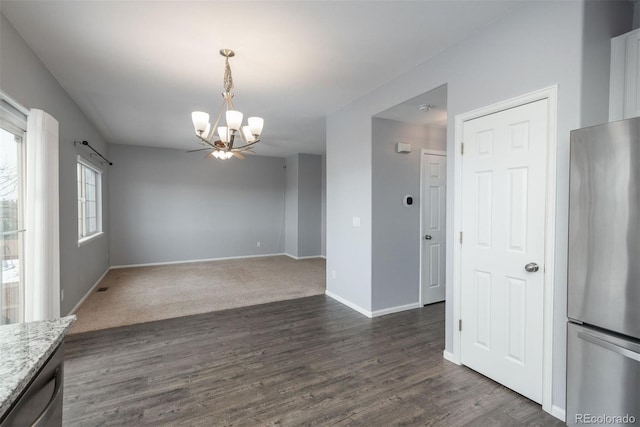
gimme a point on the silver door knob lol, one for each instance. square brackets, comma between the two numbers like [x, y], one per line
[427, 237]
[532, 267]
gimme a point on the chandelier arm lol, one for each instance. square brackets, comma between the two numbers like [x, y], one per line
[206, 141]
[247, 145]
[215, 125]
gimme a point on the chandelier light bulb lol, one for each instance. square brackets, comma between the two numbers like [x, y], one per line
[234, 119]
[255, 124]
[200, 121]
[223, 133]
[247, 134]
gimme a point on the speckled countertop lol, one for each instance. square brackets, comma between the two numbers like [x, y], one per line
[24, 348]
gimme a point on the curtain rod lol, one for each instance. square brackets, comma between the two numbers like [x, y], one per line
[94, 150]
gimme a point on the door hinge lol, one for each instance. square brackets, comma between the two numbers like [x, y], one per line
[461, 237]
[460, 324]
[461, 148]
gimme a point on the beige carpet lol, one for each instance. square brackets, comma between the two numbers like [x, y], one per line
[144, 294]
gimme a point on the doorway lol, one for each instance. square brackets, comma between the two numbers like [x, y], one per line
[399, 135]
[433, 226]
[504, 214]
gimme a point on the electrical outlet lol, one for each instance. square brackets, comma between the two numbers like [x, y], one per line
[356, 221]
[333, 274]
[61, 294]
[258, 244]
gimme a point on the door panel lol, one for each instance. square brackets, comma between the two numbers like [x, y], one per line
[434, 169]
[503, 211]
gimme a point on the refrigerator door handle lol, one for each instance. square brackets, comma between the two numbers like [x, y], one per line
[610, 346]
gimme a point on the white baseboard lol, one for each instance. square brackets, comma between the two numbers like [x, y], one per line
[396, 309]
[558, 412]
[151, 264]
[368, 313]
[349, 304]
[303, 257]
[89, 292]
[450, 357]
[322, 256]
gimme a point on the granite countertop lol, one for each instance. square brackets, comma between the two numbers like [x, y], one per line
[24, 349]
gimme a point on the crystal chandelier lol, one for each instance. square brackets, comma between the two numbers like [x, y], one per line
[227, 136]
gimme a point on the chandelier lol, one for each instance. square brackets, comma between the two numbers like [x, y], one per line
[226, 145]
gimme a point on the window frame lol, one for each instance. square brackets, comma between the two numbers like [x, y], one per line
[13, 119]
[82, 240]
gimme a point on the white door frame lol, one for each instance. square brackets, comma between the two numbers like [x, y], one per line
[422, 154]
[550, 94]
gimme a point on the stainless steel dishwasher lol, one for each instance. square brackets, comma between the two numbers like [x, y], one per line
[40, 404]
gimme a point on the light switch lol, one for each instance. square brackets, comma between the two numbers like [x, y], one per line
[356, 221]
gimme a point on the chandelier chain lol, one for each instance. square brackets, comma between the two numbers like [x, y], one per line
[228, 78]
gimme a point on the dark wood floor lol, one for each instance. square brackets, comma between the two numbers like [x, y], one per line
[309, 361]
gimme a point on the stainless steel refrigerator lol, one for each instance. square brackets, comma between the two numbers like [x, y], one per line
[603, 354]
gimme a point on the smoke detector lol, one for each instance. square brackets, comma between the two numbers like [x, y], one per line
[425, 107]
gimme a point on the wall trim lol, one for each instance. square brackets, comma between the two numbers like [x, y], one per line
[89, 292]
[349, 304]
[396, 309]
[558, 412]
[450, 357]
[376, 313]
[15, 104]
[151, 264]
[551, 95]
[304, 257]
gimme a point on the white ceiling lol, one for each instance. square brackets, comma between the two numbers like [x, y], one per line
[409, 111]
[138, 68]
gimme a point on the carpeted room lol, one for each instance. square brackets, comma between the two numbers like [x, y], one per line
[189, 234]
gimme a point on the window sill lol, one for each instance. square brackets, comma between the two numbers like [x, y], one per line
[88, 239]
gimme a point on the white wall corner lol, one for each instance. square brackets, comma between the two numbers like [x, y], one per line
[304, 257]
[349, 304]
[447, 355]
[89, 292]
[396, 309]
[558, 412]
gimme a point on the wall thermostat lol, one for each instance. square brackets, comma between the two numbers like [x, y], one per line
[407, 200]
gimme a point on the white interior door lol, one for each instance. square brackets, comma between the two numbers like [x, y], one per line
[434, 174]
[503, 211]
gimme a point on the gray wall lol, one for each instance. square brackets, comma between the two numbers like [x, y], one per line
[309, 205]
[291, 207]
[536, 46]
[168, 205]
[396, 228]
[303, 205]
[25, 78]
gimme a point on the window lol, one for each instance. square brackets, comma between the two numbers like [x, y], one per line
[12, 133]
[89, 201]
